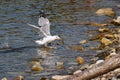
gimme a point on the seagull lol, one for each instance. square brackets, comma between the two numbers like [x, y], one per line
[44, 28]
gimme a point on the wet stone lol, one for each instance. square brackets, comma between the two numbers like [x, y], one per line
[106, 11]
[77, 47]
[4, 79]
[80, 60]
[58, 77]
[84, 66]
[106, 41]
[83, 41]
[37, 67]
[60, 65]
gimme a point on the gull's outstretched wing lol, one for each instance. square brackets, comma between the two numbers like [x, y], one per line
[38, 28]
[44, 25]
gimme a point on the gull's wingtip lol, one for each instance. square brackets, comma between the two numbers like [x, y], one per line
[29, 24]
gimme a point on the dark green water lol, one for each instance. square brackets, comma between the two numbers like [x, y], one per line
[63, 14]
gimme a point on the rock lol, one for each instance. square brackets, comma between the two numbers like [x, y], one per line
[99, 61]
[106, 11]
[113, 53]
[109, 35]
[97, 24]
[58, 77]
[117, 36]
[94, 59]
[83, 41]
[43, 79]
[92, 48]
[76, 72]
[118, 30]
[60, 65]
[103, 29]
[118, 6]
[101, 46]
[4, 78]
[84, 66]
[37, 67]
[106, 41]
[33, 62]
[80, 60]
[116, 21]
[97, 37]
[77, 47]
[18, 78]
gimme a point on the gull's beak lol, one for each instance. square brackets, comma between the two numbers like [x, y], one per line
[60, 39]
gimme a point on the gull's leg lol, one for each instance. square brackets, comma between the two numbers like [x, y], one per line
[53, 45]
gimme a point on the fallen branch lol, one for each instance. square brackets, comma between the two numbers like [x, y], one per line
[98, 70]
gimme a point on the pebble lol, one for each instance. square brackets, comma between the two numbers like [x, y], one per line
[99, 61]
[106, 11]
[76, 72]
[106, 41]
[59, 65]
[80, 60]
[58, 77]
[83, 41]
[37, 68]
[4, 78]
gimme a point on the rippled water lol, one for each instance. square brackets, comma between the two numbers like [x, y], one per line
[17, 45]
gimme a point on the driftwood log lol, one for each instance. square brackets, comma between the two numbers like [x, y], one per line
[98, 70]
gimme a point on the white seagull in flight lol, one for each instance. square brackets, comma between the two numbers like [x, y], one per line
[44, 27]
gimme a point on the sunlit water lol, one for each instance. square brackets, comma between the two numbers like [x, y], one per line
[17, 46]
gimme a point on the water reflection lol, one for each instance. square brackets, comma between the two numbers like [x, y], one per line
[47, 57]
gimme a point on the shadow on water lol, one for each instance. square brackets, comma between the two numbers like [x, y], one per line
[8, 50]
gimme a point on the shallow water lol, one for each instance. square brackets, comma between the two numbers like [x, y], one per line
[17, 45]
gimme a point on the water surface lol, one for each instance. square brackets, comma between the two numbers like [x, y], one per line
[17, 46]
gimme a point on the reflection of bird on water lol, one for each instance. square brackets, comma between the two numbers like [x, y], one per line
[44, 27]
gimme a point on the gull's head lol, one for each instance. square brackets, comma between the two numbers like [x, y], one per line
[42, 13]
[57, 37]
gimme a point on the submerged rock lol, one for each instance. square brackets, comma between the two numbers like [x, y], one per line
[83, 41]
[106, 41]
[97, 24]
[103, 29]
[37, 67]
[59, 65]
[77, 47]
[97, 37]
[106, 11]
[80, 60]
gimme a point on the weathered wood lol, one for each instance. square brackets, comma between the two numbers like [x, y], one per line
[98, 70]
